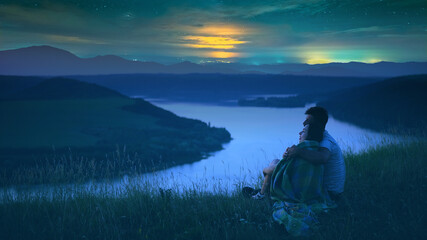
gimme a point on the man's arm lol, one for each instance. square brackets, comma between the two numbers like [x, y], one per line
[319, 156]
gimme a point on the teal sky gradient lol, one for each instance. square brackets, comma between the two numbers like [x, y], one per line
[250, 31]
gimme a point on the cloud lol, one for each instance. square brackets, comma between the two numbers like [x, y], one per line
[72, 39]
[372, 29]
[212, 42]
[254, 11]
[56, 15]
[252, 28]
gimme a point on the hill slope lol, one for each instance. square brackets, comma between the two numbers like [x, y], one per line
[50, 61]
[359, 69]
[396, 102]
[11, 85]
[64, 88]
[59, 116]
[219, 87]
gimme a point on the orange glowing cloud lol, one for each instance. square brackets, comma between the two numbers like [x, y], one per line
[221, 30]
[318, 61]
[223, 54]
[218, 37]
[212, 42]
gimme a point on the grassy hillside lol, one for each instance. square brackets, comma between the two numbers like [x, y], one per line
[397, 103]
[88, 122]
[385, 198]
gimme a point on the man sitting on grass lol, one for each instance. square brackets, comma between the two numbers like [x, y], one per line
[329, 153]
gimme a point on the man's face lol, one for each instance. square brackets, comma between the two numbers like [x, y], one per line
[308, 120]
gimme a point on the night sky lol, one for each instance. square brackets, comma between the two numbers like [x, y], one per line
[247, 31]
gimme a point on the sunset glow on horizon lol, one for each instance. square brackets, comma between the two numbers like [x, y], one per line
[222, 55]
[212, 42]
[251, 31]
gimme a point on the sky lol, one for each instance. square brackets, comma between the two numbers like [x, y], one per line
[203, 31]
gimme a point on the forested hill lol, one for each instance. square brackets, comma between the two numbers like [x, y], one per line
[63, 88]
[219, 87]
[11, 85]
[61, 116]
[397, 103]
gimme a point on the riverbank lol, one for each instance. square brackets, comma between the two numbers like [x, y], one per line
[384, 199]
[395, 105]
[62, 130]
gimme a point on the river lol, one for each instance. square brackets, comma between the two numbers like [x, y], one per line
[259, 135]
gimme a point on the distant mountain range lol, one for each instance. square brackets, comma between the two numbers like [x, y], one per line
[50, 61]
[224, 88]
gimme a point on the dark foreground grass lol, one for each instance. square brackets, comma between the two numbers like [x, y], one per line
[385, 198]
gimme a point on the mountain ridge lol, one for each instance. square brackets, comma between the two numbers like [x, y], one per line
[50, 61]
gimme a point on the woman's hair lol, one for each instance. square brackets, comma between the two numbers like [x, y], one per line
[315, 132]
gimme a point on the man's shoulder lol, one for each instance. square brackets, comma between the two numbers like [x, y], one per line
[328, 137]
[328, 142]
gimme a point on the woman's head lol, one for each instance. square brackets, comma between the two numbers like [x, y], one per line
[312, 132]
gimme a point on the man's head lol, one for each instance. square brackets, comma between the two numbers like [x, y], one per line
[316, 115]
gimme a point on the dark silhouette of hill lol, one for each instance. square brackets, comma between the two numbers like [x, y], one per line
[329, 71]
[36, 60]
[93, 120]
[64, 88]
[219, 87]
[189, 67]
[380, 69]
[10, 85]
[393, 103]
[50, 61]
[351, 69]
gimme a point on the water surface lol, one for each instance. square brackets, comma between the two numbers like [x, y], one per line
[259, 136]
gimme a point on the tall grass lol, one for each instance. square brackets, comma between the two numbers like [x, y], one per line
[385, 198]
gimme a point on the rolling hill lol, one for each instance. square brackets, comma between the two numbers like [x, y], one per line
[50, 61]
[64, 88]
[397, 103]
[60, 115]
[219, 87]
[11, 85]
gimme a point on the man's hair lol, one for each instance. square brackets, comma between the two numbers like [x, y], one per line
[315, 132]
[320, 115]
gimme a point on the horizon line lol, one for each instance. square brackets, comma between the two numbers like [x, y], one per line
[208, 61]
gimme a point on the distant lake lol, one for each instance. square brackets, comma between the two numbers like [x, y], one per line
[259, 136]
